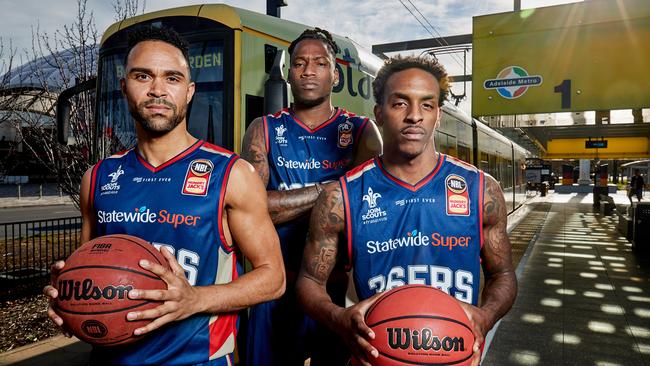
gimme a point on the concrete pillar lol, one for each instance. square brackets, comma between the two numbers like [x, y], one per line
[603, 117]
[638, 115]
[585, 166]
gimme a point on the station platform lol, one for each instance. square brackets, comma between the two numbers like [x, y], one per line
[584, 296]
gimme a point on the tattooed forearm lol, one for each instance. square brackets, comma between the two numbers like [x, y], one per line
[327, 222]
[326, 262]
[288, 205]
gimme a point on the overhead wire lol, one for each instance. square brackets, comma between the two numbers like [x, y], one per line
[440, 39]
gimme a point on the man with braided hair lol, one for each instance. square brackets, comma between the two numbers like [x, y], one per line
[298, 152]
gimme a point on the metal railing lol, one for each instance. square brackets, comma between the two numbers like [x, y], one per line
[28, 249]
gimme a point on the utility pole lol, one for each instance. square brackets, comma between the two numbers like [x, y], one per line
[517, 5]
[273, 7]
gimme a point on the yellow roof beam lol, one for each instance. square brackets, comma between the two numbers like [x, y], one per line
[617, 148]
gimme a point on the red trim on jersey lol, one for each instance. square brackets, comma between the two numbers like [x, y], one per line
[171, 161]
[359, 167]
[279, 113]
[322, 125]
[217, 148]
[93, 182]
[266, 134]
[235, 274]
[480, 205]
[418, 185]
[221, 329]
[361, 129]
[222, 195]
[348, 221]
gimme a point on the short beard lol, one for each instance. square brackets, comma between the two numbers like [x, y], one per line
[309, 103]
[150, 125]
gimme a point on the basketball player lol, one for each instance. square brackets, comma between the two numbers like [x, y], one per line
[297, 152]
[197, 201]
[410, 216]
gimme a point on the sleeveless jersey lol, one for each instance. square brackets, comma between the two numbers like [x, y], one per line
[301, 157]
[430, 233]
[179, 205]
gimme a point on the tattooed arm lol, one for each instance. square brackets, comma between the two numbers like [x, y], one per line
[326, 227]
[283, 205]
[500, 287]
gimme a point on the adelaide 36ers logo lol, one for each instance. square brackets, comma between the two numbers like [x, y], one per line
[345, 134]
[197, 179]
[457, 196]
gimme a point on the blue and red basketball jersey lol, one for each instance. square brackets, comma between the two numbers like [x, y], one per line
[179, 205]
[301, 157]
[429, 233]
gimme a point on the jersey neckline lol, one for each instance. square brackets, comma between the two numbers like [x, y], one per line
[179, 156]
[338, 112]
[403, 184]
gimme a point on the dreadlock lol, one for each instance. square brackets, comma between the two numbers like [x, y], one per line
[318, 34]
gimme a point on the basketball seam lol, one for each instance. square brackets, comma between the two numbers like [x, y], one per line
[111, 267]
[145, 302]
[145, 247]
[420, 316]
[387, 295]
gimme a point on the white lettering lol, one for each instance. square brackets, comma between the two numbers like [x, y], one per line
[187, 259]
[464, 289]
[392, 244]
[297, 164]
[442, 278]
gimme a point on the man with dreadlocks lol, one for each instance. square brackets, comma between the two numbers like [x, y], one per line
[297, 152]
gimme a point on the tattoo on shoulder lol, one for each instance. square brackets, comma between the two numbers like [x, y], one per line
[254, 149]
[493, 202]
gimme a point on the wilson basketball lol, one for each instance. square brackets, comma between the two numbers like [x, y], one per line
[420, 325]
[94, 284]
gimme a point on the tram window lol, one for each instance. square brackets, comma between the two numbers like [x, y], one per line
[206, 106]
[464, 153]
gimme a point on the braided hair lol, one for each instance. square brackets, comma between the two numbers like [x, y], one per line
[320, 35]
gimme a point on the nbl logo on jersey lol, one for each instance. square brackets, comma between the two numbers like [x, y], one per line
[457, 196]
[345, 134]
[197, 179]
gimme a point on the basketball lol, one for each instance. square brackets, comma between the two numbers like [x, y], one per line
[419, 325]
[94, 284]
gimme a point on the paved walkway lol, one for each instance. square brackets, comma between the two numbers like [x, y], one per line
[584, 296]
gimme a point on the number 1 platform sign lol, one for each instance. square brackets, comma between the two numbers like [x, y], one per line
[583, 56]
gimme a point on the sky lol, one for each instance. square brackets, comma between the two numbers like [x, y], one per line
[367, 22]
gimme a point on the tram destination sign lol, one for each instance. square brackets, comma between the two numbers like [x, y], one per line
[596, 144]
[583, 56]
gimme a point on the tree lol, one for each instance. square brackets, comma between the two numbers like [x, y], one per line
[7, 145]
[59, 61]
